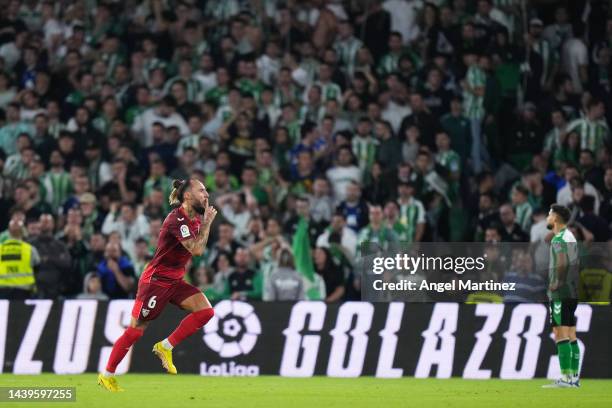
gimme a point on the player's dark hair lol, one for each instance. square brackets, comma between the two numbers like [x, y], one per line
[178, 191]
[562, 212]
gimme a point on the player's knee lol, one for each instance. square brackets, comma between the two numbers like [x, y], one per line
[133, 333]
[139, 324]
[204, 315]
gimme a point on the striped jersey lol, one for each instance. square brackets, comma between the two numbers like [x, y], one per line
[550, 57]
[593, 134]
[280, 98]
[388, 63]
[112, 60]
[382, 236]
[58, 186]
[473, 105]
[194, 88]
[347, 51]
[412, 213]
[523, 215]
[364, 149]
[329, 90]
[552, 140]
[192, 140]
[15, 167]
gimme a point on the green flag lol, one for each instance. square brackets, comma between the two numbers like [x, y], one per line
[303, 262]
[301, 251]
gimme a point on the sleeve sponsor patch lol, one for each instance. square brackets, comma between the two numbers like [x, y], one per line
[185, 231]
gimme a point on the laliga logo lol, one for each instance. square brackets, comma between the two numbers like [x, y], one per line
[233, 330]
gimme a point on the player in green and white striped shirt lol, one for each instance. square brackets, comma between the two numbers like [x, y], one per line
[17, 166]
[329, 89]
[219, 13]
[592, 128]
[552, 139]
[474, 89]
[364, 147]
[412, 212]
[377, 231]
[57, 181]
[522, 208]
[451, 161]
[347, 46]
[192, 85]
[391, 211]
[473, 106]
[563, 272]
[390, 61]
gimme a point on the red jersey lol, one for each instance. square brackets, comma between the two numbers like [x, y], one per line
[170, 257]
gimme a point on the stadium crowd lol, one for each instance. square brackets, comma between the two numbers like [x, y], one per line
[349, 121]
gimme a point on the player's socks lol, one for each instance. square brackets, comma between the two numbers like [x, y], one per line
[564, 352]
[166, 344]
[575, 363]
[190, 324]
[121, 347]
[107, 374]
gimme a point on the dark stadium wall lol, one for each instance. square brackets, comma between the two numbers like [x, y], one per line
[308, 338]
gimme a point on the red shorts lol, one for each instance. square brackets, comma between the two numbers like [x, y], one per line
[154, 295]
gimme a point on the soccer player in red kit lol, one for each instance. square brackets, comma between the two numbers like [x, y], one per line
[183, 234]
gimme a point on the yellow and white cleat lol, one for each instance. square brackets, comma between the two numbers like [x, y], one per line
[109, 383]
[165, 356]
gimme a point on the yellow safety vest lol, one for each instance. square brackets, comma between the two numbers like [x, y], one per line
[15, 264]
[595, 286]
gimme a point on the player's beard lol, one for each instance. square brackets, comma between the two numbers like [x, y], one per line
[199, 208]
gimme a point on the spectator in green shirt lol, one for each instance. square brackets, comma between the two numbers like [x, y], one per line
[458, 128]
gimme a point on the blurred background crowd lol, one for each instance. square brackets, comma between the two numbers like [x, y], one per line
[315, 125]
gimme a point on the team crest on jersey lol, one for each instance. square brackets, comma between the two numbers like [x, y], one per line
[145, 312]
[185, 231]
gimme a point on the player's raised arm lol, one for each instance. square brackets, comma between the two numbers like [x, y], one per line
[197, 245]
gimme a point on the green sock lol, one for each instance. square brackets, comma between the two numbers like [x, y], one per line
[575, 357]
[564, 351]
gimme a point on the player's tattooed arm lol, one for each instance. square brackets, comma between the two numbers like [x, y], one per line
[197, 245]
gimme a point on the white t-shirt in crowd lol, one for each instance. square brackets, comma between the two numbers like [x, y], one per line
[340, 177]
[403, 17]
[574, 55]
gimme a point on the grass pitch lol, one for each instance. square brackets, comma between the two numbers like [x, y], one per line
[158, 390]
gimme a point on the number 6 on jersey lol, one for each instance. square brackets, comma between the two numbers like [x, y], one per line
[152, 302]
